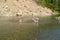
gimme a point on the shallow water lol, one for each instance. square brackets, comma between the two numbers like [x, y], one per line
[46, 29]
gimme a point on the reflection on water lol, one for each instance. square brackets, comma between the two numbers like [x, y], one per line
[47, 29]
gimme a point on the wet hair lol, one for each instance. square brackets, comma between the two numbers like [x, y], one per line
[17, 14]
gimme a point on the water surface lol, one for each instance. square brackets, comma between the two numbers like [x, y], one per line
[11, 29]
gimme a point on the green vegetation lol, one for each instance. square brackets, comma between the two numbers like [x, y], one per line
[52, 4]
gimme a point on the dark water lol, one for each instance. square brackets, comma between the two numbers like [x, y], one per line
[46, 29]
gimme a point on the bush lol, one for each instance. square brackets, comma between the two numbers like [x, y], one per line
[53, 4]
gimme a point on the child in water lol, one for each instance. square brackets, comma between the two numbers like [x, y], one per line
[36, 19]
[19, 17]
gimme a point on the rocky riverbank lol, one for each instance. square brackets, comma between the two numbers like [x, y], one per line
[26, 7]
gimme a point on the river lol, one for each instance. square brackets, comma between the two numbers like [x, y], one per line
[46, 29]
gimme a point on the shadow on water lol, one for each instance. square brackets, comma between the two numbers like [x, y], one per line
[47, 29]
